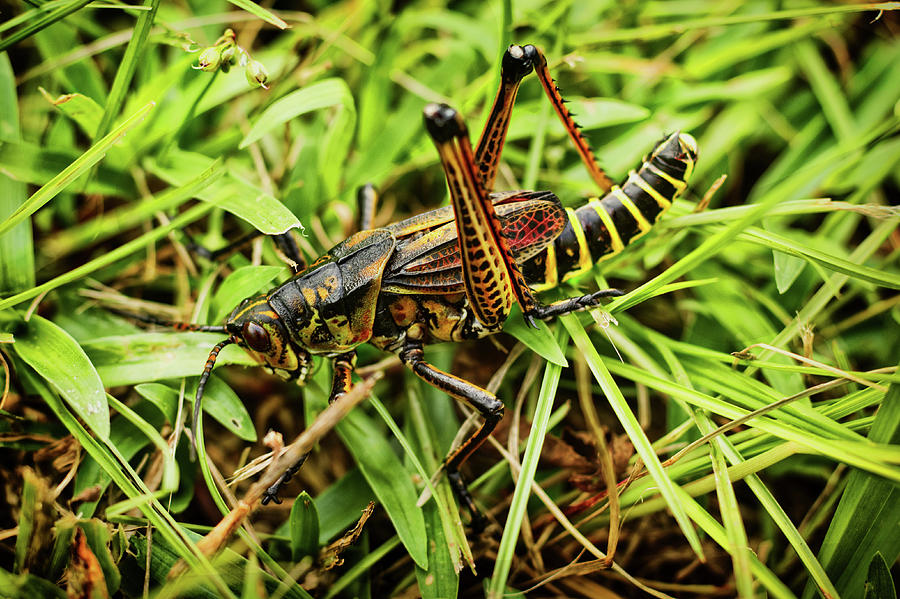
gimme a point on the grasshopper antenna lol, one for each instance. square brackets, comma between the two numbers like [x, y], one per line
[207, 370]
[170, 324]
[210, 361]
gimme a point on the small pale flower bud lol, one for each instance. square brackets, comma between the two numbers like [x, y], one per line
[256, 74]
[209, 59]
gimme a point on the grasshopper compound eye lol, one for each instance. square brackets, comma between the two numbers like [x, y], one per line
[256, 336]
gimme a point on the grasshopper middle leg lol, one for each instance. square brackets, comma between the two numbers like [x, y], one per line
[485, 402]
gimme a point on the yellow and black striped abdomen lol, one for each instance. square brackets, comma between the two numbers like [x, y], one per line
[603, 227]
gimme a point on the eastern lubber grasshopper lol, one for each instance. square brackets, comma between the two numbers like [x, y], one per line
[453, 274]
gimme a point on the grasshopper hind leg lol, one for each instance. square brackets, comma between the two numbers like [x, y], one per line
[518, 62]
[572, 304]
[366, 205]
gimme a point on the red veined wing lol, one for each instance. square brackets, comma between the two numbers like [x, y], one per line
[427, 258]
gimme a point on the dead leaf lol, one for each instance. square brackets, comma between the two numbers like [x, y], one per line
[85, 579]
[330, 555]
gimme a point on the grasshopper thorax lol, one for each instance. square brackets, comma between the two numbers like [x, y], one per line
[258, 329]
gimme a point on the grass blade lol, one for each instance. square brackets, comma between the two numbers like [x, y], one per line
[780, 243]
[60, 360]
[189, 216]
[389, 480]
[239, 197]
[125, 72]
[862, 523]
[91, 157]
[330, 92]
[16, 246]
[510, 538]
[41, 22]
[260, 12]
[632, 428]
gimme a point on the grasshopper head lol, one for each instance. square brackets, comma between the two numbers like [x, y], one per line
[254, 326]
[257, 328]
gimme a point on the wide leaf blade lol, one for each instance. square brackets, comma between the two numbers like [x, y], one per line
[60, 360]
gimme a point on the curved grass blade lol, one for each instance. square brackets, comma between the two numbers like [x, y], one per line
[259, 11]
[336, 141]
[389, 480]
[216, 494]
[82, 109]
[725, 446]
[859, 271]
[539, 339]
[736, 535]
[162, 396]
[60, 360]
[84, 162]
[831, 287]
[330, 92]
[223, 404]
[239, 197]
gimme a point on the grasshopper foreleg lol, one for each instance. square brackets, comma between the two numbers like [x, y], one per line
[341, 382]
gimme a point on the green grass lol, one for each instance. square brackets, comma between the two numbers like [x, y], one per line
[111, 145]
